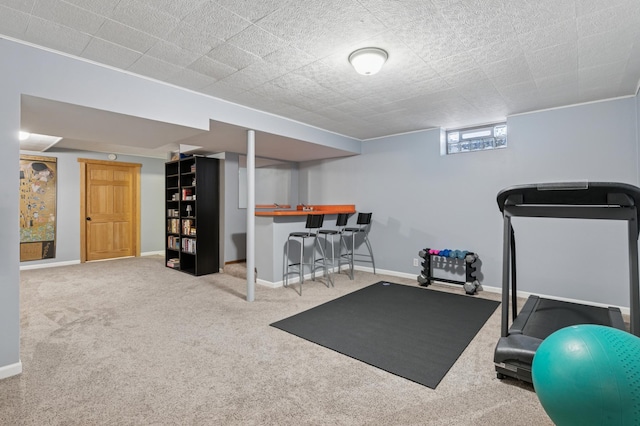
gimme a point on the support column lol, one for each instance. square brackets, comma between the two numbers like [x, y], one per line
[251, 214]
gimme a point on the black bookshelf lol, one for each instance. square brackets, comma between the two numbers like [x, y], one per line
[192, 204]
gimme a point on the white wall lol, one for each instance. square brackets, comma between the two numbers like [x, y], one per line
[422, 199]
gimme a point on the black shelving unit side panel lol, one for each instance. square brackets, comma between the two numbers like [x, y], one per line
[172, 184]
[207, 212]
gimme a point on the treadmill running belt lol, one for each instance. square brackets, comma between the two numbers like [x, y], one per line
[552, 315]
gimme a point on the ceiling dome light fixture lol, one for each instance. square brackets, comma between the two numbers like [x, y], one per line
[369, 60]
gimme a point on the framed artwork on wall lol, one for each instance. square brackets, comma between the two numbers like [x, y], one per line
[37, 207]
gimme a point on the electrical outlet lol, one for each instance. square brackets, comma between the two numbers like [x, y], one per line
[416, 262]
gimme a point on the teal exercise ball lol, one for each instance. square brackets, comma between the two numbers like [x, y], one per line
[589, 375]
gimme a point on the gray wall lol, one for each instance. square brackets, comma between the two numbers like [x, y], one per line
[10, 232]
[422, 199]
[82, 83]
[68, 203]
[235, 226]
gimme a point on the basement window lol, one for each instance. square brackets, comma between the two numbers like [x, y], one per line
[482, 138]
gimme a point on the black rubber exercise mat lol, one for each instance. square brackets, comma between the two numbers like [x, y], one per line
[413, 332]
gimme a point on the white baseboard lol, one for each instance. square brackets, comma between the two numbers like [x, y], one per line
[11, 370]
[152, 253]
[76, 262]
[49, 265]
[490, 289]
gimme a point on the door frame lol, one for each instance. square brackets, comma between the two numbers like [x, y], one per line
[135, 202]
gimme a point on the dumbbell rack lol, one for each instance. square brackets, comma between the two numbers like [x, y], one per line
[426, 278]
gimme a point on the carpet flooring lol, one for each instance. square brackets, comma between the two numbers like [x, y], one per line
[413, 332]
[131, 342]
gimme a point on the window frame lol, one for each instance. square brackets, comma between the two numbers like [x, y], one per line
[479, 138]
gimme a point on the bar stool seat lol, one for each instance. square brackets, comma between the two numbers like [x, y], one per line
[314, 221]
[347, 258]
[341, 223]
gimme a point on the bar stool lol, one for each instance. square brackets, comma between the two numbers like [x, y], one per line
[341, 223]
[314, 221]
[364, 223]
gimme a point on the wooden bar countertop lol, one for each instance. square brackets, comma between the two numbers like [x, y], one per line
[311, 209]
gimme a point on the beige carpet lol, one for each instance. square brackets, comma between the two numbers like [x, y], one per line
[130, 342]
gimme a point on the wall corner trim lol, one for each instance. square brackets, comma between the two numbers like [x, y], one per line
[10, 370]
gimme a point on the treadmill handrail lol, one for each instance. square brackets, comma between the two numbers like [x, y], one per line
[605, 194]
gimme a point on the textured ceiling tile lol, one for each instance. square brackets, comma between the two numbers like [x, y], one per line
[317, 71]
[603, 48]
[288, 58]
[177, 8]
[512, 67]
[190, 79]
[496, 52]
[292, 82]
[454, 64]
[212, 68]
[123, 35]
[601, 75]
[233, 56]
[273, 91]
[68, 15]
[478, 89]
[21, 5]
[172, 53]
[478, 24]
[214, 21]
[557, 81]
[55, 36]
[518, 90]
[101, 7]
[253, 10]
[312, 104]
[144, 17]
[319, 27]
[595, 93]
[619, 17]
[584, 7]
[110, 54]
[13, 22]
[393, 14]
[528, 15]
[193, 39]
[254, 75]
[558, 59]
[257, 41]
[541, 38]
[431, 39]
[468, 76]
[222, 90]
[154, 68]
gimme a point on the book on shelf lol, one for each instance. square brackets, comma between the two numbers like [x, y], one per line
[189, 245]
[187, 194]
[187, 224]
[173, 226]
[173, 263]
[173, 242]
[173, 213]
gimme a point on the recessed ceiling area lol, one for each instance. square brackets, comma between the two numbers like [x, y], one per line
[90, 129]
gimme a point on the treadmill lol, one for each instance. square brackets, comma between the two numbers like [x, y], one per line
[540, 317]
